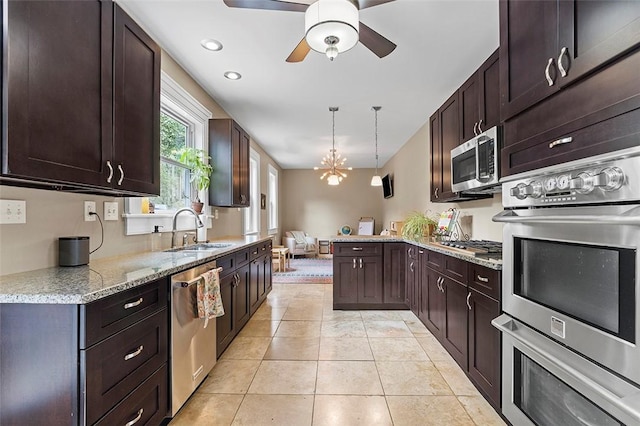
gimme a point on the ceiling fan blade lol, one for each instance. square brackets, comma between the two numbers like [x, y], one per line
[375, 42]
[300, 52]
[363, 4]
[268, 5]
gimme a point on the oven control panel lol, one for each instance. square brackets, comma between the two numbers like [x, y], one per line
[615, 180]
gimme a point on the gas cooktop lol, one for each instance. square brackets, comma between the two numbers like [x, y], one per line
[476, 247]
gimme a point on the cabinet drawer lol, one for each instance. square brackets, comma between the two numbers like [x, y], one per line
[227, 263]
[434, 260]
[353, 249]
[107, 316]
[260, 249]
[117, 365]
[455, 268]
[243, 256]
[149, 402]
[485, 280]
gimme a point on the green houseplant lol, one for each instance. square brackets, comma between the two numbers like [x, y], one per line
[418, 225]
[198, 163]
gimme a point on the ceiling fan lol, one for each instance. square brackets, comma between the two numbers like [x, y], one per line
[331, 26]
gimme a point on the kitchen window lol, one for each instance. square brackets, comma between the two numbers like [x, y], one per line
[252, 213]
[183, 122]
[272, 200]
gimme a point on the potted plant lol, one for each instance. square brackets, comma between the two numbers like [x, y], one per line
[198, 163]
[418, 225]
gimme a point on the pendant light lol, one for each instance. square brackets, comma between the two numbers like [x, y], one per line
[376, 180]
[334, 170]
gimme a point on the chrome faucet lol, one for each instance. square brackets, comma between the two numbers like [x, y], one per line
[198, 223]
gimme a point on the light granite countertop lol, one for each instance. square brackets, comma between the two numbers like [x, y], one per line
[478, 260]
[104, 277]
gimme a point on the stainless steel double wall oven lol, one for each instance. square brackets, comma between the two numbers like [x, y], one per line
[571, 293]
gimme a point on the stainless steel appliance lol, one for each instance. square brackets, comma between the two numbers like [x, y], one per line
[571, 272]
[193, 345]
[475, 163]
[545, 384]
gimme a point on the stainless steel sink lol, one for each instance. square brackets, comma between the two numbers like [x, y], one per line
[202, 247]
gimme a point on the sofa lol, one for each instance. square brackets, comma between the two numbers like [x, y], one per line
[300, 243]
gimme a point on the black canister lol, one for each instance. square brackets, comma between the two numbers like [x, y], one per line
[73, 251]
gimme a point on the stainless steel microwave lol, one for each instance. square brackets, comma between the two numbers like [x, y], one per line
[475, 163]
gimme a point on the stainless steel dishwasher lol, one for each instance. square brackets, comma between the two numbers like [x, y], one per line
[193, 346]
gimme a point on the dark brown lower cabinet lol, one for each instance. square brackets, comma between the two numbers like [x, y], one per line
[51, 375]
[455, 324]
[234, 290]
[436, 306]
[484, 344]
[358, 276]
[394, 270]
[457, 301]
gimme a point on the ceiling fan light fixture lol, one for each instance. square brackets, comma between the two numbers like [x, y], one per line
[331, 24]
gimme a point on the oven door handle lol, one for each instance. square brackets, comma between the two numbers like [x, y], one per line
[624, 399]
[630, 217]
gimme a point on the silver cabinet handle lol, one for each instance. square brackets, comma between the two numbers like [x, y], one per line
[121, 174]
[110, 171]
[436, 192]
[482, 279]
[134, 354]
[475, 128]
[354, 263]
[409, 250]
[133, 304]
[421, 251]
[468, 298]
[356, 248]
[480, 126]
[411, 266]
[138, 417]
[197, 373]
[360, 263]
[563, 52]
[546, 72]
[561, 142]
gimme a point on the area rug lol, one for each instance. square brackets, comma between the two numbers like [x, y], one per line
[306, 271]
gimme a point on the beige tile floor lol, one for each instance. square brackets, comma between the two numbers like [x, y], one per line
[299, 362]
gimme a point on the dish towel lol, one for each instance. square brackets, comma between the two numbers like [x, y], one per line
[209, 298]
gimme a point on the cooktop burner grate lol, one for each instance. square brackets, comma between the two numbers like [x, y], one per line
[476, 246]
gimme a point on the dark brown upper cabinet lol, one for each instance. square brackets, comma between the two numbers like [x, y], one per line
[229, 151]
[473, 108]
[479, 99]
[547, 45]
[589, 103]
[83, 99]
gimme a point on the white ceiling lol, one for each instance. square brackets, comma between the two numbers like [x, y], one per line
[285, 106]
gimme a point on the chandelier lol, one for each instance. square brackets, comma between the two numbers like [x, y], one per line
[333, 163]
[376, 180]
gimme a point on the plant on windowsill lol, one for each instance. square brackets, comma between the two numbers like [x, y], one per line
[418, 225]
[198, 163]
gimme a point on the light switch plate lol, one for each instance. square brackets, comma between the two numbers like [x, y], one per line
[13, 211]
[110, 210]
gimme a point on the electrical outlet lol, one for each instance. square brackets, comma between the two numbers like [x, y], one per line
[89, 207]
[110, 210]
[13, 211]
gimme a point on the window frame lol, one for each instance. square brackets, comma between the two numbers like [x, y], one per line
[272, 200]
[251, 215]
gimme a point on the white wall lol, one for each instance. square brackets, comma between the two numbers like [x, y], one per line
[310, 205]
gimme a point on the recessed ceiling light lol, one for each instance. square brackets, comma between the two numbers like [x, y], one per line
[232, 75]
[211, 44]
